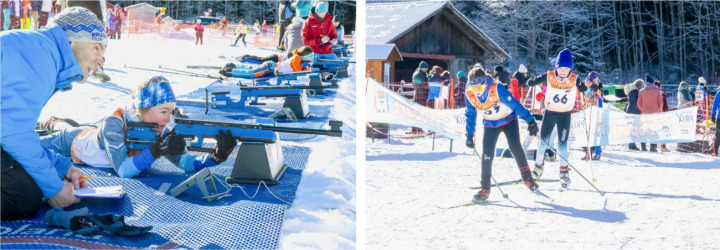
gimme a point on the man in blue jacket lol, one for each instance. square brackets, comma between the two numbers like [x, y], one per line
[35, 65]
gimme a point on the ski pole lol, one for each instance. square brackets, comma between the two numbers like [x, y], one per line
[172, 72]
[187, 72]
[568, 162]
[491, 176]
[589, 125]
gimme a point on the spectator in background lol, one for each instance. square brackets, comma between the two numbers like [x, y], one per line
[224, 26]
[684, 99]
[45, 9]
[340, 29]
[436, 76]
[5, 15]
[241, 31]
[256, 27]
[110, 22]
[199, 29]
[25, 21]
[264, 27]
[701, 98]
[521, 75]
[502, 76]
[60, 5]
[35, 6]
[420, 83]
[292, 39]
[664, 95]
[14, 7]
[632, 90]
[285, 12]
[119, 20]
[303, 8]
[459, 90]
[650, 102]
[319, 32]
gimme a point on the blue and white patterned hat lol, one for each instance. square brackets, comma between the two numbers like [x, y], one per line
[81, 25]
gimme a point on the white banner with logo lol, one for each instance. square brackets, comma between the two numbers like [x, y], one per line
[385, 106]
[608, 126]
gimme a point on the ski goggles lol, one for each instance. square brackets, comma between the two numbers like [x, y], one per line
[477, 84]
[158, 92]
[308, 57]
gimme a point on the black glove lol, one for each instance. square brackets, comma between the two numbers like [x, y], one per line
[470, 142]
[533, 128]
[81, 221]
[225, 145]
[170, 143]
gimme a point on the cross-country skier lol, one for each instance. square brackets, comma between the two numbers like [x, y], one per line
[563, 86]
[500, 113]
[595, 99]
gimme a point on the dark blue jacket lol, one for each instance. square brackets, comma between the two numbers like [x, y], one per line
[507, 99]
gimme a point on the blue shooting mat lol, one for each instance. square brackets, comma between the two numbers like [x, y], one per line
[193, 105]
[234, 222]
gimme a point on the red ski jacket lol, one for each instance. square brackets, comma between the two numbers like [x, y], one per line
[313, 30]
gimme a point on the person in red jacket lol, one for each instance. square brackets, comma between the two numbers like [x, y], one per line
[650, 102]
[319, 32]
[199, 29]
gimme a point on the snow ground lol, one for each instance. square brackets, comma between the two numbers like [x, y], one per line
[653, 200]
[324, 216]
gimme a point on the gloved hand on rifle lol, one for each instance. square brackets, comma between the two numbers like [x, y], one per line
[225, 145]
[169, 143]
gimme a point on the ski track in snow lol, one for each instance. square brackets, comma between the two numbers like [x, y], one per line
[653, 200]
[324, 216]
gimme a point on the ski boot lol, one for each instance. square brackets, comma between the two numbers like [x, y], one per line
[537, 172]
[586, 157]
[633, 147]
[564, 176]
[51, 124]
[482, 195]
[596, 157]
[528, 179]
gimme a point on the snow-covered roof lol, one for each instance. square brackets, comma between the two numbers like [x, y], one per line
[380, 51]
[142, 6]
[387, 22]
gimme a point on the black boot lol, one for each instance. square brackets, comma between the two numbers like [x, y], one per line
[632, 146]
[482, 195]
[50, 124]
[596, 157]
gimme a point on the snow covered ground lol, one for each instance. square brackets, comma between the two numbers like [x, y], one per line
[653, 200]
[324, 216]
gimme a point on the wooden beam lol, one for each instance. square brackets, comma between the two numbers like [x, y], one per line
[428, 56]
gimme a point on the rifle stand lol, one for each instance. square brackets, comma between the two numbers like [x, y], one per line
[258, 161]
[198, 178]
[315, 81]
[298, 104]
[342, 72]
[284, 112]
